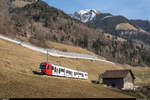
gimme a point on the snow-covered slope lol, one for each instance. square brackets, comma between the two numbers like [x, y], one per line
[85, 15]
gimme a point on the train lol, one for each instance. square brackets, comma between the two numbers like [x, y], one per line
[60, 71]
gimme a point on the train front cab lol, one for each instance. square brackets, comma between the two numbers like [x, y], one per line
[46, 68]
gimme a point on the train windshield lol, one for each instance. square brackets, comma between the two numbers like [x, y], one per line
[43, 66]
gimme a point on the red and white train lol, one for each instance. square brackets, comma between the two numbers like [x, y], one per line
[55, 70]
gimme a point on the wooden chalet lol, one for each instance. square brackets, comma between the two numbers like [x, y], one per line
[123, 79]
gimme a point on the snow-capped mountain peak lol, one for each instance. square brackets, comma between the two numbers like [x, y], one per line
[87, 11]
[85, 15]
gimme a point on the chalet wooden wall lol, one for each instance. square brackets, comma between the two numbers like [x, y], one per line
[115, 82]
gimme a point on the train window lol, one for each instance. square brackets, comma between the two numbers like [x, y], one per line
[62, 70]
[55, 69]
[47, 67]
[52, 68]
[67, 71]
[70, 72]
[75, 73]
[42, 66]
[59, 70]
[81, 74]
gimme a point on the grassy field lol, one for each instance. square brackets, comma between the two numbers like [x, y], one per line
[67, 48]
[17, 79]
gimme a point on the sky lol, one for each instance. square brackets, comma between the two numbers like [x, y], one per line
[132, 9]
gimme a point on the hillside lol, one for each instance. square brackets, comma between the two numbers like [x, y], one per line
[25, 78]
[20, 82]
[38, 23]
[19, 62]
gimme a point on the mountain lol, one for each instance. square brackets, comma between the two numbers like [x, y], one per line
[120, 26]
[85, 15]
[38, 22]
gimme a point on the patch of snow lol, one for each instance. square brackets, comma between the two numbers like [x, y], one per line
[81, 12]
[106, 17]
[92, 16]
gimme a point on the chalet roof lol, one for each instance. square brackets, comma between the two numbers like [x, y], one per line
[117, 73]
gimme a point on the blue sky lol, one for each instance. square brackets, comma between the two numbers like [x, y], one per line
[132, 9]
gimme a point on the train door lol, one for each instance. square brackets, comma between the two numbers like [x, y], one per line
[82, 75]
[49, 69]
[61, 71]
[66, 72]
[86, 75]
[79, 75]
[70, 73]
[54, 72]
[76, 74]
